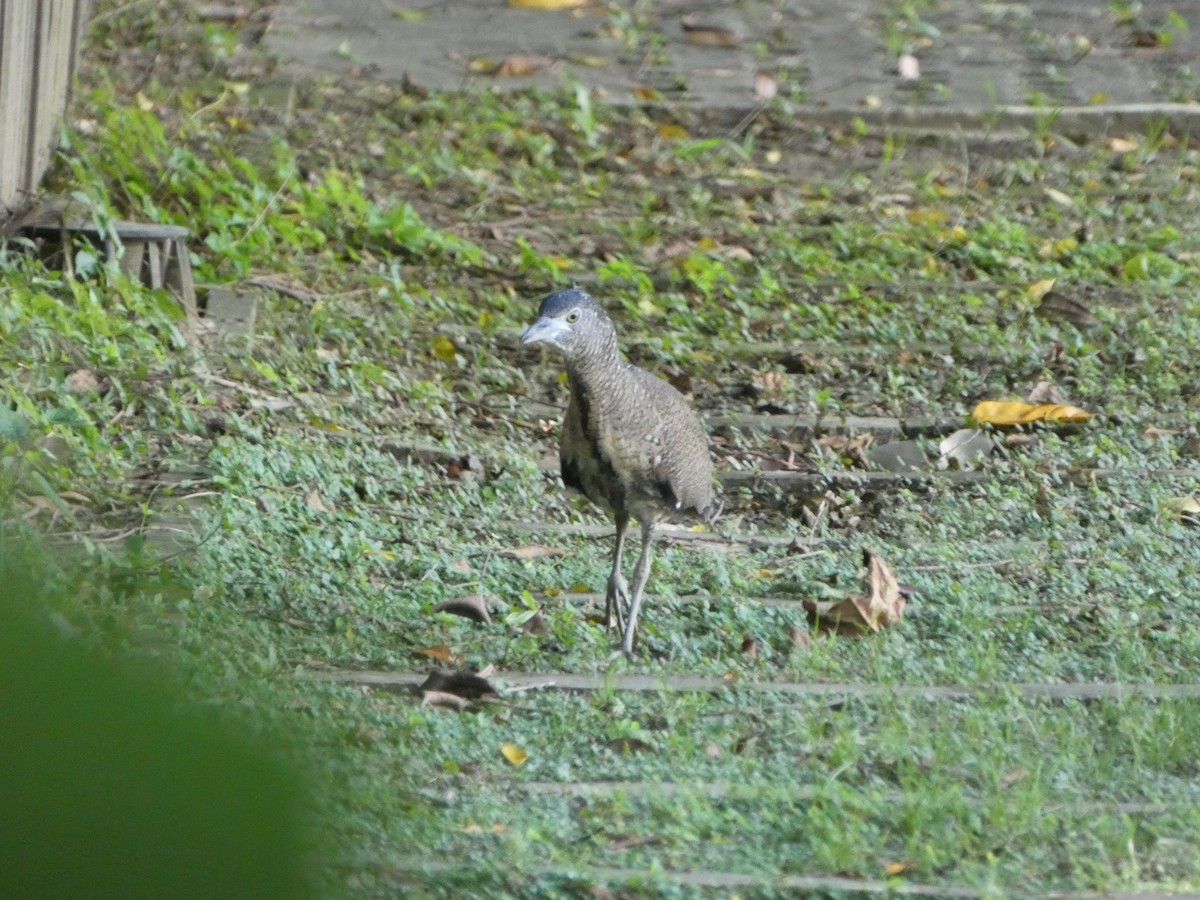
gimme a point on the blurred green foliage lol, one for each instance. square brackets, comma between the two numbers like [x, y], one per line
[114, 782]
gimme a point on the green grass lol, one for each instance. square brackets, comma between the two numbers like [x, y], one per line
[425, 230]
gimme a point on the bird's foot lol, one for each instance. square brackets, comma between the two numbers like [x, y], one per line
[616, 602]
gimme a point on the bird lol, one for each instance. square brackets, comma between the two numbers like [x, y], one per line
[630, 442]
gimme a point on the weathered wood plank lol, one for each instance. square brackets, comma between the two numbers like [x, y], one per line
[574, 681]
[39, 44]
[805, 425]
[807, 481]
[796, 884]
[17, 28]
[732, 790]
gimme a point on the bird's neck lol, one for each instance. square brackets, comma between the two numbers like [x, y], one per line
[595, 364]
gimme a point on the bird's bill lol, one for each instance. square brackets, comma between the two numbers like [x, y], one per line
[545, 331]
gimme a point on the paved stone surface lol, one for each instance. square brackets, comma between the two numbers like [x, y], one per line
[833, 56]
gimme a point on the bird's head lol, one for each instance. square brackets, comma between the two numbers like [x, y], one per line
[574, 324]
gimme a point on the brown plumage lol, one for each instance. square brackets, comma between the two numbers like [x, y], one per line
[630, 442]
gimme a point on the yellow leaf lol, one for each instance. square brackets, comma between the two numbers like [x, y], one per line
[646, 94]
[584, 59]
[1058, 249]
[546, 4]
[995, 412]
[444, 349]
[706, 243]
[672, 132]
[1040, 289]
[927, 215]
[485, 319]
[896, 868]
[513, 753]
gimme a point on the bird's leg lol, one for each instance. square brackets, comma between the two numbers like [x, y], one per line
[617, 593]
[641, 575]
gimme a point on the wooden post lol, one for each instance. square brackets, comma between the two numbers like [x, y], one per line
[39, 46]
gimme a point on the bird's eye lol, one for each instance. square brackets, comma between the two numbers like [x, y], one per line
[573, 316]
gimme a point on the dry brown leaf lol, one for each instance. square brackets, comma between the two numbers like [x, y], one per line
[473, 606]
[314, 502]
[441, 653]
[620, 842]
[646, 94]
[83, 381]
[1056, 305]
[770, 384]
[1122, 145]
[709, 33]
[468, 685]
[1152, 432]
[882, 606]
[1045, 392]
[536, 625]
[1011, 777]
[765, 85]
[442, 700]
[547, 4]
[800, 638]
[1020, 439]
[519, 65]
[749, 646]
[1187, 508]
[855, 448]
[533, 551]
[628, 745]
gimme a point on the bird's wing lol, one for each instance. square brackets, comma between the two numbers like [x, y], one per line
[677, 445]
[573, 444]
